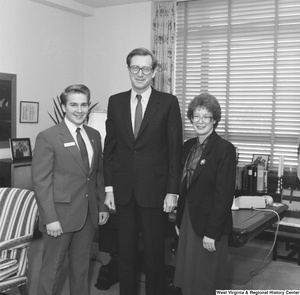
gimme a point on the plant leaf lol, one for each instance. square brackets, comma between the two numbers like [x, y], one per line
[52, 118]
[60, 105]
[59, 110]
[89, 111]
[56, 116]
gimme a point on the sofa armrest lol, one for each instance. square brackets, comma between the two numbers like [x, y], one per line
[20, 242]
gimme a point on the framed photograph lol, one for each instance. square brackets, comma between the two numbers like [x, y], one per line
[261, 159]
[20, 149]
[29, 112]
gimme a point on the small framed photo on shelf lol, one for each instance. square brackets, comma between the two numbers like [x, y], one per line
[29, 112]
[20, 149]
[261, 159]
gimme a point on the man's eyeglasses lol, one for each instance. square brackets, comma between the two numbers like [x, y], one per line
[136, 69]
[206, 119]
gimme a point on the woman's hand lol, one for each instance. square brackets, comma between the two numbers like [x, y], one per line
[103, 217]
[209, 244]
[177, 230]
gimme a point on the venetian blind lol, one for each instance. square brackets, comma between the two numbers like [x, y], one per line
[247, 54]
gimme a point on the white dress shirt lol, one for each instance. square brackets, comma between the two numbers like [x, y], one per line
[134, 101]
[133, 104]
[72, 128]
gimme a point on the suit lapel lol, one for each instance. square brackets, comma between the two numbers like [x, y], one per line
[126, 112]
[205, 157]
[152, 107]
[94, 146]
[68, 140]
[187, 149]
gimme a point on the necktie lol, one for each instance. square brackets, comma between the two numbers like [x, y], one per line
[83, 150]
[138, 116]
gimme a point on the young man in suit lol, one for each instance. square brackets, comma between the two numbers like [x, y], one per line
[142, 159]
[67, 172]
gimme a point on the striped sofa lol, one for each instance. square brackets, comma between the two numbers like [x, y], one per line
[18, 214]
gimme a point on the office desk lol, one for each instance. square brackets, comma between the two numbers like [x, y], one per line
[247, 224]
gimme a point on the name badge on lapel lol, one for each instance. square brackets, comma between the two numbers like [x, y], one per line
[202, 162]
[68, 144]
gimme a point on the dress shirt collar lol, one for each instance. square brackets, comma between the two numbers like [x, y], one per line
[145, 96]
[72, 127]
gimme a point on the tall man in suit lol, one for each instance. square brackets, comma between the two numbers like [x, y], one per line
[19, 150]
[142, 158]
[67, 171]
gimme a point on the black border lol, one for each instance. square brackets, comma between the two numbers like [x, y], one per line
[13, 155]
[37, 111]
[267, 157]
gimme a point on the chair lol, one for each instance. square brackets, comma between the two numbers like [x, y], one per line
[289, 227]
[18, 215]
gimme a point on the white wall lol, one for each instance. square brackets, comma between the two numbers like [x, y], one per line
[110, 36]
[50, 49]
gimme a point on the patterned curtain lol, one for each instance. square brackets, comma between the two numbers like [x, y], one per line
[164, 45]
[298, 170]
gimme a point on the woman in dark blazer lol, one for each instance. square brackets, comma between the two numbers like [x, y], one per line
[204, 218]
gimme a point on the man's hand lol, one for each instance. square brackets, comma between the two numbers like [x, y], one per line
[170, 203]
[110, 201]
[54, 229]
[209, 244]
[103, 217]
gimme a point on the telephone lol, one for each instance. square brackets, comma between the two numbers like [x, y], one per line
[248, 202]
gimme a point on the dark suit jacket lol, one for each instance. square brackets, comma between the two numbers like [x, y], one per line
[212, 189]
[149, 165]
[19, 153]
[62, 188]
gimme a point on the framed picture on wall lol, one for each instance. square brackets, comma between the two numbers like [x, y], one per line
[29, 112]
[20, 149]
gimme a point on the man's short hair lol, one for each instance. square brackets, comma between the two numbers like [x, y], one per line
[143, 52]
[76, 88]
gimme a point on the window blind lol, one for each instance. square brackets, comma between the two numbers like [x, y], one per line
[246, 54]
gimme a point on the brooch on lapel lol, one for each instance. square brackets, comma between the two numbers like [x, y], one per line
[202, 162]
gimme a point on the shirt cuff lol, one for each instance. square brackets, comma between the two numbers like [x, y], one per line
[109, 189]
[173, 195]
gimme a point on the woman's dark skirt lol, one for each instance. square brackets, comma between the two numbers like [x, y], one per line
[198, 271]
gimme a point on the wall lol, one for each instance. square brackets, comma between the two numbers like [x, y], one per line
[50, 49]
[110, 36]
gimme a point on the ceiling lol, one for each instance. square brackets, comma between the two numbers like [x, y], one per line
[87, 7]
[105, 3]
